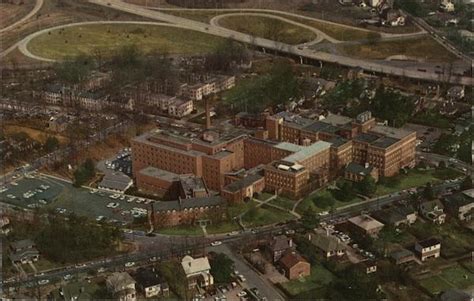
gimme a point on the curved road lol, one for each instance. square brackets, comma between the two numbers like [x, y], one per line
[370, 66]
[319, 34]
[38, 5]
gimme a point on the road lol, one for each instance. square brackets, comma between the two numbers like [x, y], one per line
[36, 8]
[371, 66]
[436, 158]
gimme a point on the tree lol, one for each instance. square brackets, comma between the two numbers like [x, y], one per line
[310, 219]
[428, 192]
[221, 268]
[441, 165]
[84, 173]
[324, 201]
[367, 186]
[467, 183]
[74, 71]
[344, 192]
[51, 144]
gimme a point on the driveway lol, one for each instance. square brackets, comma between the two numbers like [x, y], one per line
[253, 278]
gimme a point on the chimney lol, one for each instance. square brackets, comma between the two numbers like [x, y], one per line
[208, 113]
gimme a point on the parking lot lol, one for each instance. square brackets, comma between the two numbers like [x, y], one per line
[45, 192]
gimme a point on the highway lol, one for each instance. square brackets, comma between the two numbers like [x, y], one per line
[371, 66]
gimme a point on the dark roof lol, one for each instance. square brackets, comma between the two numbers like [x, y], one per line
[290, 259]
[242, 183]
[319, 126]
[21, 244]
[337, 141]
[384, 142]
[429, 242]
[367, 138]
[399, 254]
[458, 200]
[147, 277]
[359, 169]
[281, 242]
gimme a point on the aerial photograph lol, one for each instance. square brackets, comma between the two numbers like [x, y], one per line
[236, 150]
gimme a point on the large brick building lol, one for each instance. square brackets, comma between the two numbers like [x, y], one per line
[361, 140]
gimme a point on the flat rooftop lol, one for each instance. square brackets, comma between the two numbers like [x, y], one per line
[337, 120]
[366, 222]
[160, 173]
[308, 151]
[391, 131]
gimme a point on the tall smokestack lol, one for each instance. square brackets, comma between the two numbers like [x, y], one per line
[208, 114]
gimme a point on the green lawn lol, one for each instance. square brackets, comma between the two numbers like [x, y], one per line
[283, 202]
[268, 28]
[319, 277]
[415, 178]
[308, 203]
[452, 277]
[182, 230]
[85, 39]
[265, 215]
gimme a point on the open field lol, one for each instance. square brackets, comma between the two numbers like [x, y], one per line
[421, 48]
[265, 215]
[10, 13]
[84, 39]
[308, 203]
[319, 277]
[268, 28]
[34, 134]
[452, 277]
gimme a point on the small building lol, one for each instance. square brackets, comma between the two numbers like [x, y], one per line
[446, 6]
[121, 286]
[429, 248]
[368, 266]
[23, 251]
[150, 283]
[433, 211]
[197, 271]
[461, 204]
[405, 215]
[243, 188]
[366, 225]
[116, 182]
[355, 172]
[278, 246]
[179, 108]
[58, 124]
[329, 245]
[402, 256]
[294, 266]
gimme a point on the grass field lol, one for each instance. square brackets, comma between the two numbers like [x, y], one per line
[265, 216]
[268, 28]
[204, 16]
[319, 277]
[422, 48]
[283, 202]
[452, 277]
[34, 134]
[73, 41]
[308, 202]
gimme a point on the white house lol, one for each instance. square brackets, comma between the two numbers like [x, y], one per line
[197, 271]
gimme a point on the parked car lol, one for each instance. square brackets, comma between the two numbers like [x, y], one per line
[216, 243]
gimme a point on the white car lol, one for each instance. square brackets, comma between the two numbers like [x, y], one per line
[241, 278]
[131, 200]
[242, 294]
[129, 231]
[93, 191]
[324, 213]
[129, 264]
[67, 277]
[216, 243]
[43, 282]
[3, 189]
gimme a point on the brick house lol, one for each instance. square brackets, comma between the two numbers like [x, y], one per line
[294, 266]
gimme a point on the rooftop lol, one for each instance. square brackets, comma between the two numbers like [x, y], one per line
[291, 147]
[159, 173]
[308, 151]
[242, 183]
[429, 242]
[22, 244]
[391, 131]
[290, 259]
[359, 169]
[367, 138]
[294, 120]
[385, 142]
[195, 265]
[366, 222]
[325, 242]
[337, 120]
[116, 181]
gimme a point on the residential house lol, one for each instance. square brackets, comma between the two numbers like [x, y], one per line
[121, 286]
[446, 6]
[366, 225]
[294, 265]
[404, 215]
[368, 266]
[461, 204]
[329, 245]
[150, 283]
[429, 248]
[355, 172]
[197, 271]
[58, 124]
[278, 246]
[73, 292]
[402, 256]
[23, 251]
[433, 211]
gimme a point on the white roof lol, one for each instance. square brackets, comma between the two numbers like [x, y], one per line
[308, 151]
[193, 266]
